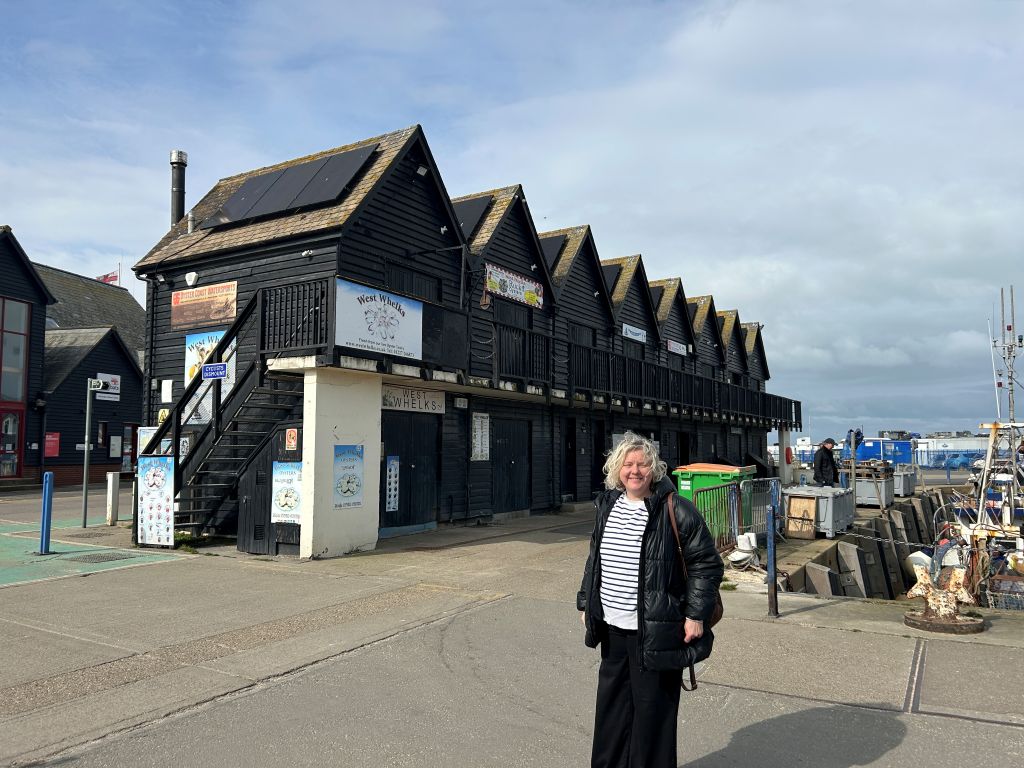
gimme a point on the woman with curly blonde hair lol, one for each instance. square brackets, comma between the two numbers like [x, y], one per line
[639, 606]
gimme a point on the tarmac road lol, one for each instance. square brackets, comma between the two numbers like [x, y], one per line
[463, 648]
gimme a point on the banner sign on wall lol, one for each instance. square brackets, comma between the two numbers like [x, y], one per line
[113, 390]
[632, 332]
[675, 347]
[378, 321]
[156, 500]
[509, 285]
[417, 400]
[198, 347]
[209, 305]
[348, 476]
[481, 447]
[286, 492]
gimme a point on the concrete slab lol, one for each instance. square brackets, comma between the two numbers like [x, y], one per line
[42, 654]
[831, 665]
[980, 681]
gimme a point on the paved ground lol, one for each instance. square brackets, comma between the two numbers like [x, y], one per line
[463, 648]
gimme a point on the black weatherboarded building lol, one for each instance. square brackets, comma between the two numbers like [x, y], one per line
[422, 360]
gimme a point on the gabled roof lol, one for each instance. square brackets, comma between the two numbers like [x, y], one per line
[573, 240]
[753, 341]
[503, 202]
[630, 269]
[729, 321]
[179, 245]
[67, 348]
[6, 233]
[82, 302]
[670, 291]
[702, 308]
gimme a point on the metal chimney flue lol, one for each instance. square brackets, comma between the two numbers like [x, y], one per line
[179, 159]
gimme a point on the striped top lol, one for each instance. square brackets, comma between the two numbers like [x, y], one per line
[620, 561]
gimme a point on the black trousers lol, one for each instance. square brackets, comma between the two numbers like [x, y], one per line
[635, 721]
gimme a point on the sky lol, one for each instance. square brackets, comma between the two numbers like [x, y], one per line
[848, 174]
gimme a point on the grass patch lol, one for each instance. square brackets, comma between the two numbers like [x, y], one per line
[727, 586]
[186, 542]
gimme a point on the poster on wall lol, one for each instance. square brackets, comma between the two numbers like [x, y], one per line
[113, 390]
[391, 485]
[286, 492]
[51, 445]
[377, 321]
[155, 481]
[509, 285]
[209, 305]
[348, 476]
[481, 448]
[198, 347]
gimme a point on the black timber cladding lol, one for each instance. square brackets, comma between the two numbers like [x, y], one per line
[79, 355]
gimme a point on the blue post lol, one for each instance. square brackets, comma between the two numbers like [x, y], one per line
[949, 480]
[773, 582]
[44, 527]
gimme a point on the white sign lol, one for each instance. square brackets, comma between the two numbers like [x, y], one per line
[481, 450]
[378, 321]
[113, 390]
[156, 500]
[391, 485]
[632, 332]
[510, 285]
[675, 347]
[348, 476]
[115, 447]
[418, 400]
[166, 389]
[285, 492]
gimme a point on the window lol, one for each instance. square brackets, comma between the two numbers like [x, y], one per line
[411, 283]
[634, 350]
[509, 313]
[13, 349]
[582, 335]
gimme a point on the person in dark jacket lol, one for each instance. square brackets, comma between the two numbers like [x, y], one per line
[826, 471]
[636, 603]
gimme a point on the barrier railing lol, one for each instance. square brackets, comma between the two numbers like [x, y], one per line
[757, 496]
[719, 505]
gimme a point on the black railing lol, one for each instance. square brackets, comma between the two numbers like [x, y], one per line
[523, 354]
[296, 317]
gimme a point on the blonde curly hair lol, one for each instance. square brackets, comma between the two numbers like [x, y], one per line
[631, 441]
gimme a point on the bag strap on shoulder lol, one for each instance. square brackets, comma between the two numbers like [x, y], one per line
[686, 577]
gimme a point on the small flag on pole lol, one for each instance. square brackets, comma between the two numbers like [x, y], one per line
[110, 277]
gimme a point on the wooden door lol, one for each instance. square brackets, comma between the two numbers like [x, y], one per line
[409, 469]
[510, 465]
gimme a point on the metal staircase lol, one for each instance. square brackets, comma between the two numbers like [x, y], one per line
[228, 425]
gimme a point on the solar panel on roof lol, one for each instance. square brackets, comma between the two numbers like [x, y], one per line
[242, 201]
[311, 183]
[470, 212]
[552, 246]
[280, 196]
[336, 174]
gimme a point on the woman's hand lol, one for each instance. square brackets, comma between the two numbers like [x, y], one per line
[583, 619]
[692, 629]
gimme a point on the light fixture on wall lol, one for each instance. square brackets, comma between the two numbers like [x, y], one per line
[191, 278]
[422, 170]
[161, 279]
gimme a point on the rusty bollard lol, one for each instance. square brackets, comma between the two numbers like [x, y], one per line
[940, 612]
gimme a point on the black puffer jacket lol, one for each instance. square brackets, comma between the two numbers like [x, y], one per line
[664, 598]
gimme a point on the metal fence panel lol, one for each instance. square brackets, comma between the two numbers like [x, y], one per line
[719, 506]
[757, 496]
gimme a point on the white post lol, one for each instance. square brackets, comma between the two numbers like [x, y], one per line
[113, 496]
[785, 469]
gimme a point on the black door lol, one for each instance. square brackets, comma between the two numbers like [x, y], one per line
[408, 473]
[569, 458]
[510, 465]
[597, 457]
[683, 448]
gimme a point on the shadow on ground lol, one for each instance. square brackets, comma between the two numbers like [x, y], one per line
[823, 737]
